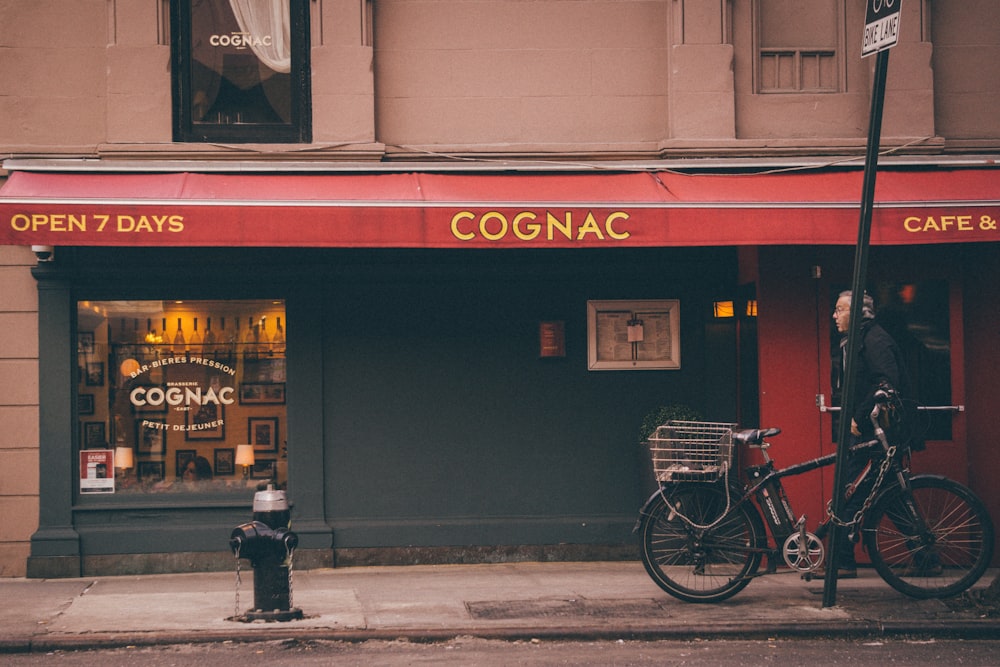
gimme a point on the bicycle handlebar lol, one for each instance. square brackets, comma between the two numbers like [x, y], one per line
[883, 396]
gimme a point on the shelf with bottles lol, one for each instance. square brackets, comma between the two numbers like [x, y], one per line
[195, 335]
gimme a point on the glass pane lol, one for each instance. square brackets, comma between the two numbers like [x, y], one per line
[183, 397]
[240, 62]
[917, 316]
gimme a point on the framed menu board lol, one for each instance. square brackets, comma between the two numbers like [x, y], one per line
[633, 335]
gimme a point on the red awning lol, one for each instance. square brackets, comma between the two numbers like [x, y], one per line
[487, 210]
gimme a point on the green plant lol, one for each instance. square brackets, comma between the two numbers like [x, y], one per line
[661, 415]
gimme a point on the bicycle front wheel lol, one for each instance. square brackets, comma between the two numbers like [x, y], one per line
[696, 551]
[942, 551]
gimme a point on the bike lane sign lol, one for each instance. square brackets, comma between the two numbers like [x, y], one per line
[881, 26]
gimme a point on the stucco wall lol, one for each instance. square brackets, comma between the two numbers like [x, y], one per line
[966, 68]
[499, 74]
[18, 409]
[595, 77]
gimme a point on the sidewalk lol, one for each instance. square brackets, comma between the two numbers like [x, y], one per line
[603, 600]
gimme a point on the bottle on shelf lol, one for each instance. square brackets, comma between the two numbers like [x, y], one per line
[250, 340]
[209, 345]
[179, 342]
[232, 341]
[263, 340]
[278, 342]
[149, 339]
[123, 342]
[195, 343]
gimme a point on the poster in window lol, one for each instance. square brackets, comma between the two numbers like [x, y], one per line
[97, 471]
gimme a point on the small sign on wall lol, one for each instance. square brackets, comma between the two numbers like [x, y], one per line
[97, 471]
[552, 339]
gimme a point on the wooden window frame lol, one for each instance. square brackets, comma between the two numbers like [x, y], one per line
[298, 130]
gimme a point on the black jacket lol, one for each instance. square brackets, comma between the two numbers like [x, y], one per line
[879, 361]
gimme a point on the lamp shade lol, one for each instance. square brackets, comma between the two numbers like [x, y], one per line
[123, 457]
[244, 455]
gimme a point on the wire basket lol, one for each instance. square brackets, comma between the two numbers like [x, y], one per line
[689, 451]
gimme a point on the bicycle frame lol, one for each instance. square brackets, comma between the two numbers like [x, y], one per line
[765, 487]
[765, 490]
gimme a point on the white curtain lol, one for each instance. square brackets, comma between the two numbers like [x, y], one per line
[260, 18]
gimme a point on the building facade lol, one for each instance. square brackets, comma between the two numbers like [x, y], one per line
[429, 264]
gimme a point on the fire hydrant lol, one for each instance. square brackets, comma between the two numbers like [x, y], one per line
[268, 544]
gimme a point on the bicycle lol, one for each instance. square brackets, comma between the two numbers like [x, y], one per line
[703, 537]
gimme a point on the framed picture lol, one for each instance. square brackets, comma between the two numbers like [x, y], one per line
[150, 471]
[182, 458]
[264, 371]
[94, 435]
[150, 437]
[147, 402]
[93, 374]
[225, 461]
[85, 404]
[262, 433]
[633, 335]
[208, 423]
[263, 469]
[85, 342]
[262, 393]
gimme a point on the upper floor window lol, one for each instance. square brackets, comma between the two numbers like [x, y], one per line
[241, 71]
[798, 46]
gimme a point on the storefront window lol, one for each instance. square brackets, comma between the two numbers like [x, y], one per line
[241, 70]
[184, 397]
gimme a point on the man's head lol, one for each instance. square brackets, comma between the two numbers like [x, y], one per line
[842, 312]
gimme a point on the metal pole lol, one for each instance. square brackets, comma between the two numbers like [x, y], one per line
[857, 288]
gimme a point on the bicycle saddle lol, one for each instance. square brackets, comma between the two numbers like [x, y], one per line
[754, 436]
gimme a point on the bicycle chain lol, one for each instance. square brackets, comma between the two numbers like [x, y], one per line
[837, 521]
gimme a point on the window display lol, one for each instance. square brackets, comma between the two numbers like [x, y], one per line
[181, 396]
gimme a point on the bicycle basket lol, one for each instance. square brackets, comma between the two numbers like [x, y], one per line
[688, 451]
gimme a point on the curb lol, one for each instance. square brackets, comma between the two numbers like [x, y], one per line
[966, 629]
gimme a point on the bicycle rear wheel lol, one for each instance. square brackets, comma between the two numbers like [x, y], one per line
[946, 559]
[700, 564]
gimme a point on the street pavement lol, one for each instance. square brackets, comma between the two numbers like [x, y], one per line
[574, 601]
